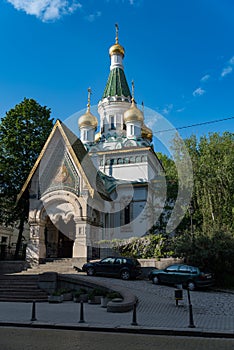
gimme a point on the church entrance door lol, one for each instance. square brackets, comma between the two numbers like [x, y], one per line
[65, 246]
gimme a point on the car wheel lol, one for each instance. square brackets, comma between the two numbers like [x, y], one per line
[125, 275]
[90, 271]
[191, 285]
[156, 280]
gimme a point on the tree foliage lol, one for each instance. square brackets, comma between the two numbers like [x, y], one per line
[212, 250]
[149, 246]
[213, 198]
[23, 132]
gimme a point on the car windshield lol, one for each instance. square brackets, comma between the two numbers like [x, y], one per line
[172, 268]
[107, 261]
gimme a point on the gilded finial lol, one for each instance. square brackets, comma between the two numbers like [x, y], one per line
[89, 99]
[117, 33]
[133, 91]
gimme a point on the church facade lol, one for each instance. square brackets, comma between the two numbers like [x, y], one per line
[86, 192]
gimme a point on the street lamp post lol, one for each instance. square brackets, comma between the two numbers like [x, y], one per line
[191, 211]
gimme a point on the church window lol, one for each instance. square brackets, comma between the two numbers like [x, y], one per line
[4, 239]
[127, 214]
[112, 122]
[85, 135]
[131, 130]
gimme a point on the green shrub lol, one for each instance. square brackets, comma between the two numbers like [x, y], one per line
[80, 291]
[113, 295]
[97, 292]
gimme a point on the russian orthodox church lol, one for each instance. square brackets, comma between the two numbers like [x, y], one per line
[86, 192]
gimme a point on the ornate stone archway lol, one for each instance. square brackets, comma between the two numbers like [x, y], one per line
[60, 208]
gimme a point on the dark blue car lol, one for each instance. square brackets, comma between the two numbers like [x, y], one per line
[189, 276]
[121, 267]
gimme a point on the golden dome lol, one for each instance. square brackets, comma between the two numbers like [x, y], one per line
[116, 49]
[88, 119]
[133, 114]
[146, 132]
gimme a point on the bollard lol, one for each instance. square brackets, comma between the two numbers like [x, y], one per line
[81, 312]
[134, 319]
[33, 311]
[191, 323]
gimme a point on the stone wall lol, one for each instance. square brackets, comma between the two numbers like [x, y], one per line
[12, 266]
[160, 264]
[148, 264]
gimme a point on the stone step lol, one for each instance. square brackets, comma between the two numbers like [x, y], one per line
[59, 266]
[20, 288]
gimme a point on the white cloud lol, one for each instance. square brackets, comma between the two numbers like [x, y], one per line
[46, 10]
[231, 61]
[198, 92]
[205, 78]
[180, 110]
[226, 71]
[167, 109]
[93, 16]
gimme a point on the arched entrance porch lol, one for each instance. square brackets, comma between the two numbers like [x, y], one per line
[58, 228]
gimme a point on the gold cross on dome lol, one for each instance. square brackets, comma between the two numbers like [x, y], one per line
[89, 98]
[117, 33]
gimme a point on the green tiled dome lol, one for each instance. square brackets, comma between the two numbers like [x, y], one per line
[117, 84]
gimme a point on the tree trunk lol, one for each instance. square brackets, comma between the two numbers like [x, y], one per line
[19, 240]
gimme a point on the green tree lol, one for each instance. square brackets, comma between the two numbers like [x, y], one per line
[213, 197]
[23, 132]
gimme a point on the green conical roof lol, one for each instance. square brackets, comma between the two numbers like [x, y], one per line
[116, 84]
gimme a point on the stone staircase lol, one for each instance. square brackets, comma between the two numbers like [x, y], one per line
[63, 266]
[21, 288]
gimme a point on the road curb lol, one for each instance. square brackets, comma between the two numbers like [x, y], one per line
[119, 329]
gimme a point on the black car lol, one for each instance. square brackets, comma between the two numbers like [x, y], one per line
[122, 267]
[190, 277]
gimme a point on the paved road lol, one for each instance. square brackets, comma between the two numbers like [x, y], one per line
[38, 339]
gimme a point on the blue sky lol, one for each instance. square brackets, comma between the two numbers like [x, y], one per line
[180, 54]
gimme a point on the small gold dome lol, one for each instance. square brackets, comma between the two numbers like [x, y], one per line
[88, 119]
[133, 114]
[116, 49]
[146, 132]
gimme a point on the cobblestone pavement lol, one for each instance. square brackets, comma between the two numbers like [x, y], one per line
[212, 311]
[156, 308]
